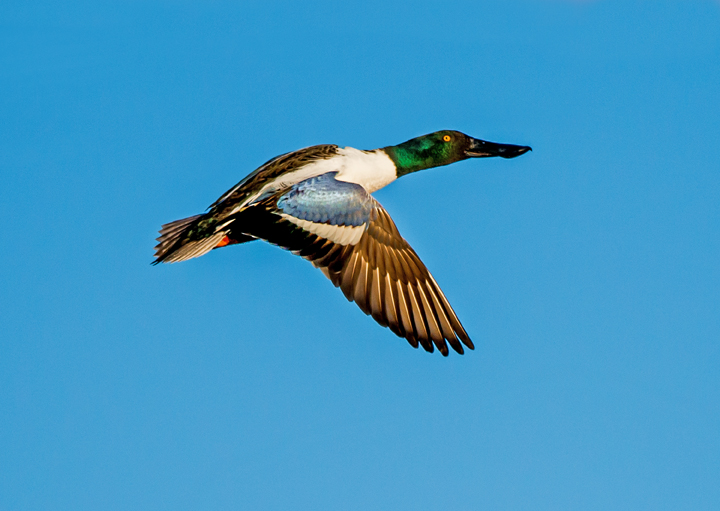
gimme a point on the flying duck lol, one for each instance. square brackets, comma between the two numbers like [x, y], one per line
[316, 203]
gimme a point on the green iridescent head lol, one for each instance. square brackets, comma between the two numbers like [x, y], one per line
[443, 148]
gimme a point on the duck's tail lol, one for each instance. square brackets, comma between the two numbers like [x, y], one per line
[187, 238]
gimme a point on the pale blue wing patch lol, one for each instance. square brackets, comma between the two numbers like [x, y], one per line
[335, 210]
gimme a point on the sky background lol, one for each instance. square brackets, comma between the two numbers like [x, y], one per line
[586, 272]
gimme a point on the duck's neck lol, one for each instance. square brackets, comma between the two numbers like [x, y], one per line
[419, 154]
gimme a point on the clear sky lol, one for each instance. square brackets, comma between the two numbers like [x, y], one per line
[587, 272]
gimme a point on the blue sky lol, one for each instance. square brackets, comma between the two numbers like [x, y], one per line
[586, 272]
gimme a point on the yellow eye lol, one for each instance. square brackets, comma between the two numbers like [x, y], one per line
[446, 138]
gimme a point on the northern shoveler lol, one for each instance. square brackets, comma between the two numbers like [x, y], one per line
[316, 203]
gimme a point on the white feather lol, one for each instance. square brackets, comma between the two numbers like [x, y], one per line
[357, 233]
[342, 235]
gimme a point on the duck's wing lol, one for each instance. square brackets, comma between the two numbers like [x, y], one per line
[271, 170]
[197, 235]
[342, 230]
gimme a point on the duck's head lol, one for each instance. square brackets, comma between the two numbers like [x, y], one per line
[443, 148]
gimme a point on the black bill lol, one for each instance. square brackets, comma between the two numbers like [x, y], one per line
[484, 149]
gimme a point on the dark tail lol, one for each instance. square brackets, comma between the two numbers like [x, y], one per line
[176, 242]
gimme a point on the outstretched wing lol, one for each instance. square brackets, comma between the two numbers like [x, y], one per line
[343, 231]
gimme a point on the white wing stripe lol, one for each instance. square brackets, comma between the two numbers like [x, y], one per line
[340, 234]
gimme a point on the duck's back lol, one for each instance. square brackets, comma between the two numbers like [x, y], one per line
[270, 171]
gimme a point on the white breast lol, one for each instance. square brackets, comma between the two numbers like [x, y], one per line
[372, 170]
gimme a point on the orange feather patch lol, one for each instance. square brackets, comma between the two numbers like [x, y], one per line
[224, 242]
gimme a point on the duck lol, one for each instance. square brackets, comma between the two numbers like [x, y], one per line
[317, 203]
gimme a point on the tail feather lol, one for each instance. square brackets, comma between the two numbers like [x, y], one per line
[173, 247]
[194, 248]
[192, 237]
[177, 225]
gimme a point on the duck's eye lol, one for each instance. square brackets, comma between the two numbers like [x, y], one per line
[446, 138]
